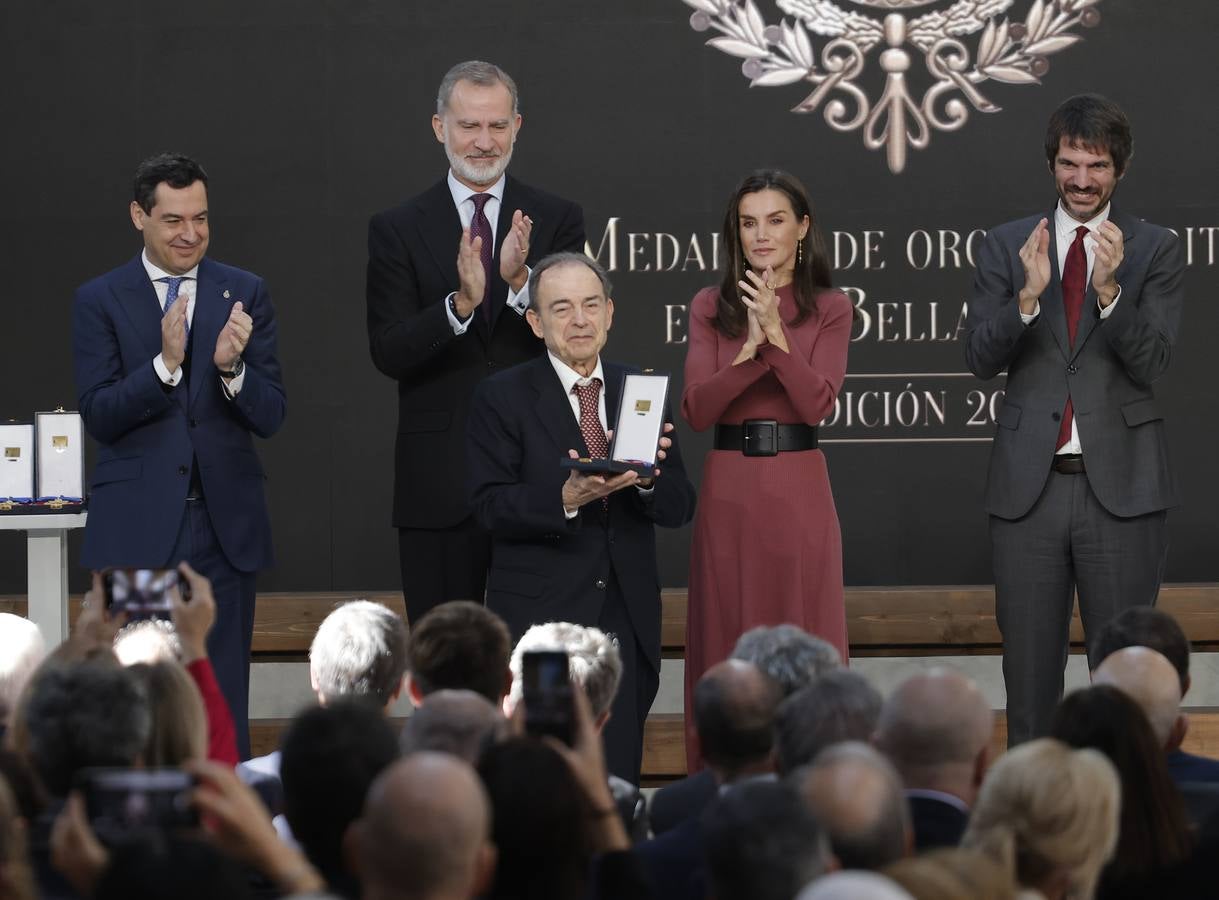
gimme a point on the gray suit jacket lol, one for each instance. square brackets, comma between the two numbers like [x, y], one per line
[1108, 373]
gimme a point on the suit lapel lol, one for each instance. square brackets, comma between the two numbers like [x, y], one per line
[139, 301]
[211, 313]
[554, 409]
[1054, 311]
[1089, 317]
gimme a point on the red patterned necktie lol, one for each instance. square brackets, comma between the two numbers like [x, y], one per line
[1074, 285]
[590, 422]
[481, 227]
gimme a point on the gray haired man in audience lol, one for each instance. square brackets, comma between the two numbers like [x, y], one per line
[792, 658]
[458, 722]
[21, 650]
[936, 729]
[857, 796]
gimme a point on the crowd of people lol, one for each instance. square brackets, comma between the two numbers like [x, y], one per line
[814, 784]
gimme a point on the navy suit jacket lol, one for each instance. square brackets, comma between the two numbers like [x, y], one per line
[1107, 372]
[147, 436]
[545, 567]
[936, 823]
[412, 269]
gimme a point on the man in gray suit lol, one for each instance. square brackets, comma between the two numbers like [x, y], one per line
[1081, 308]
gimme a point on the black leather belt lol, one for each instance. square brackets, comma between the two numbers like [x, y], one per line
[765, 437]
[1069, 464]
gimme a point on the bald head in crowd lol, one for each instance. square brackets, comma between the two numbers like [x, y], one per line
[1151, 681]
[425, 832]
[453, 721]
[734, 712]
[856, 794]
[854, 886]
[936, 730]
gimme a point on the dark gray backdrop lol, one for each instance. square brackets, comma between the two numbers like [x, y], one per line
[311, 115]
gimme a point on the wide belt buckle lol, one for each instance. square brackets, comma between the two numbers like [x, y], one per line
[760, 437]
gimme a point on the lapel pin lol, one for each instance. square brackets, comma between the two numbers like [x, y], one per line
[226, 295]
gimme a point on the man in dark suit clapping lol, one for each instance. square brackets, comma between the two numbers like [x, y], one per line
[447, 293]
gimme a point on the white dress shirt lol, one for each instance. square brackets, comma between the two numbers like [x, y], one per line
[187, 289]
[463, 199]
[1064, 235]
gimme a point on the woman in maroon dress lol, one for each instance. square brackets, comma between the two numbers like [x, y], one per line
[767, 355]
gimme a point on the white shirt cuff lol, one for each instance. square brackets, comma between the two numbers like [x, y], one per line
[570, 514]
[1028, 320]
[519, 303]
[1105, 311]
[233, 388]
[162, 370]
[459, 327]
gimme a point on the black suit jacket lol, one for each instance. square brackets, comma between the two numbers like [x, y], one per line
[936, 823]
[682, 800]
[412, 268]
[676, 863]
[545, 567]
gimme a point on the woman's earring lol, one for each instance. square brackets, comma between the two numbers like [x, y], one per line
[800, 251]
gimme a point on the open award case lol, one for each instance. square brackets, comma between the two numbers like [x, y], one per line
[16, 467]
[641, 420]
[60, 440]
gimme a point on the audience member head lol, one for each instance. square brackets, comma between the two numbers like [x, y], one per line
[762, 843]
[1155, 829]
[425, 831]
[21, 650]
[734, 712]
[359, 651]
[16, 877]
[953, 874]
[462, 723]
[540, 821]
[81, 714]
[839, 705]
[593, 662]
[179, 721]
[936, 730]
[330, 757]
[167, 865]
[147, 641]
[1049, 815]
[857, 796]
[853, 886]
[1146, 626]
[1149, 679]
[789, 655]
[460, 645]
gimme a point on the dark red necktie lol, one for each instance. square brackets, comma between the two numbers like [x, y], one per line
[1074, 286]
[590, 422]
[481, 227]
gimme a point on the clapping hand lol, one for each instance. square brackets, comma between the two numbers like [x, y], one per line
[1110, 250]
[470, 273]
[1035, 257]
[515, 251]
[233, 338]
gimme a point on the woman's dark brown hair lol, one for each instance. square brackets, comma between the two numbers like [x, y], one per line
[812, 272]
[1154, 829]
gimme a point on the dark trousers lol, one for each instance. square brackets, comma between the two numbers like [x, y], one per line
[623, 735]
[1066, 542]
[443, 564]
[228, 645]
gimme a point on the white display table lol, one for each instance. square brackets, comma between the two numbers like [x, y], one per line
[47, 562]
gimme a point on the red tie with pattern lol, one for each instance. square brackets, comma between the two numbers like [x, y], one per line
[590, 422]
[1074, 285]
[481, 227]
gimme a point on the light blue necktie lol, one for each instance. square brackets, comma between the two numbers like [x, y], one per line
[174, 283]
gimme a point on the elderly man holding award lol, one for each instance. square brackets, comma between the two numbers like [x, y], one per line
[571, 516]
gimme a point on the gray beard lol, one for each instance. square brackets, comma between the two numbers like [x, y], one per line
[481, 176]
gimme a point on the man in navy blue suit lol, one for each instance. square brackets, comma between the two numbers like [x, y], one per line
[176, 368]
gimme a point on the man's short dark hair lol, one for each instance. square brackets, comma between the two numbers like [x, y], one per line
[789, 655]
[838, 706]
[331, 754]
[1091, 122]
[174, 169]
[460, 645]
[1145, 626]
[82, 714]
[762, 843]
[359, 650]
[567, 258]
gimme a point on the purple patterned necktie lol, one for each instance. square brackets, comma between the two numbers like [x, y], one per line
[590, 422]
[481, 227]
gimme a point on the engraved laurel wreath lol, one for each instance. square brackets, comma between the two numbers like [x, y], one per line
[1008, 51]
